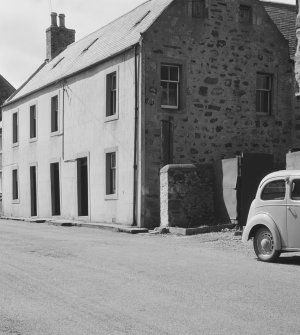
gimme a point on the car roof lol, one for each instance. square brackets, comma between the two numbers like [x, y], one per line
[282, 173]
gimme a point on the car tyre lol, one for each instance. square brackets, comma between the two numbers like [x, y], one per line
[264, 247]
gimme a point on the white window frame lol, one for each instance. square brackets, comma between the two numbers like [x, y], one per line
[56, 132]
[113, 196]
[269, 90]
[168, 81]
[15, 200]
[33, 139]
[108, 90]
[15, 144]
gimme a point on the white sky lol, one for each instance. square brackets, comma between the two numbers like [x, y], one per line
[23, 24]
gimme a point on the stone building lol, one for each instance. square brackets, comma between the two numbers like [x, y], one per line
[169, 82]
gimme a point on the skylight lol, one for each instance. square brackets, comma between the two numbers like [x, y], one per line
[87, 48]
[142, 18]
[57, 63]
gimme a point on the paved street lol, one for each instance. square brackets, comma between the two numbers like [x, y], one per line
[57, 280]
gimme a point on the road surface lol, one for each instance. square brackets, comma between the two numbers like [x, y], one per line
[71, 281]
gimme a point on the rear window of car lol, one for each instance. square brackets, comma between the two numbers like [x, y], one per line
[275, 190]
[295, 190]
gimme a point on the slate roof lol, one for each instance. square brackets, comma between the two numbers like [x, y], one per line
[123, 33]
[6, 89]
[107, 41]
[284, 16]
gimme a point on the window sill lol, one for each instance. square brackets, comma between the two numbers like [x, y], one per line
[15, 145]
[16, 201]
[169, 107]
[32, 140]
[264, 115]
[111, 118]
[55, 134]
[111, 197]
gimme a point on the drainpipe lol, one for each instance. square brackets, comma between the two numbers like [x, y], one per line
[63, 122]
[134, 223]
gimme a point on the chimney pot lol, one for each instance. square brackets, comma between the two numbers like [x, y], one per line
[61, 20]
[53, 19]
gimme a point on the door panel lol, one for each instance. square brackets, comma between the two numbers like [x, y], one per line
[293, 214]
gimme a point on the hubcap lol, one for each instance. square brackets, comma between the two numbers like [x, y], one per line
[265, 243]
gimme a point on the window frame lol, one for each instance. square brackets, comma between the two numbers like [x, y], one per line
[34, 138]
[109, 91]
[169, 81]
[54, 132]
[15, 129]
[243, 8]
[270, 182]
[15, 196]
[270, 94]
[291, 189]
[200, 12]
[108, 153]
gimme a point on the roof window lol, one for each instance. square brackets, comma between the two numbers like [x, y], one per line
[142, 18]
[87, 48]
[57, 62]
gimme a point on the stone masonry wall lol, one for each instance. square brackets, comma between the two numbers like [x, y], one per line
[186, 196]
[219, 59]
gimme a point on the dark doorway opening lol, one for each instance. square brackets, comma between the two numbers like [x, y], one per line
[55, 188]
[33, 193]
[82, 187]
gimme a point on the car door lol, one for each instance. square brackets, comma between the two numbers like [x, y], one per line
[272, 200]
[293, 213]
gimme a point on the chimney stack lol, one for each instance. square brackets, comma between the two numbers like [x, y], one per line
[58, 38]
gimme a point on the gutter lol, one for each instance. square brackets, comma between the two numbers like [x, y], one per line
[136, 107]
[7, 103]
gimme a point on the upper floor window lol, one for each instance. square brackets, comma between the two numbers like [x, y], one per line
[275, 190]
[245, 14]
[264, 93]
[198, 8]
[170, 84]
[54, 114]
[111, 94]
[32, 113]
[15, 128]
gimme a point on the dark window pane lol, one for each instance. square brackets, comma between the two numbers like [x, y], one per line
[174, 73]
[164, 96]
[15, 192]
[198, 8]
[15, 128]
[275, 190]
[111, 94]
[245, 14]
[295, 190]
[32, 121]
[54, 114]
[164, 72]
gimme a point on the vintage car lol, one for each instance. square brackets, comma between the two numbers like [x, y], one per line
[274, 216]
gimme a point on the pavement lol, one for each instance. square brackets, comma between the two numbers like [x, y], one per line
[65, 280]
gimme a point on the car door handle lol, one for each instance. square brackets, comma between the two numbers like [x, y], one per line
[293, 212]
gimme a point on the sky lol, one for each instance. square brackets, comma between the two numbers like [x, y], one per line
[23, 24]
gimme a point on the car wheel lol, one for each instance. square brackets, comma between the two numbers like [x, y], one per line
[263, 243]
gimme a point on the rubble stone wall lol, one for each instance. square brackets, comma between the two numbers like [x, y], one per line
[219, 58]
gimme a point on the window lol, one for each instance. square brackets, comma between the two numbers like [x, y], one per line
[295, 190]
[32, 121]
[263, 93]
[15, 128]
[198, 8]
[275, 190]
[54, 114]
[111, 175]
[169, 75]
[111, 94]
[245, 14]
[15, 185]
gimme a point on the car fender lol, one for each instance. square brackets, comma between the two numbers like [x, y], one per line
[262, 219]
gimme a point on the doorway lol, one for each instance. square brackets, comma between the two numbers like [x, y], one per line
[33, 191]
[55, 188]
[82, 187]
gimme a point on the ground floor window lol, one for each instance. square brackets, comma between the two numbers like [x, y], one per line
[55, 188]
[15, 184]
[82, 187]
[111, 173]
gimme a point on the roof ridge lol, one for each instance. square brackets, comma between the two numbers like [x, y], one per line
[278, 4]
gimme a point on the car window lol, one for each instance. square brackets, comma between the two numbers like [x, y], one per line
[295, 194]
[275, 190]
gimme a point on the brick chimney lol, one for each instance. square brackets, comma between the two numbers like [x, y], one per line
[58, 37]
